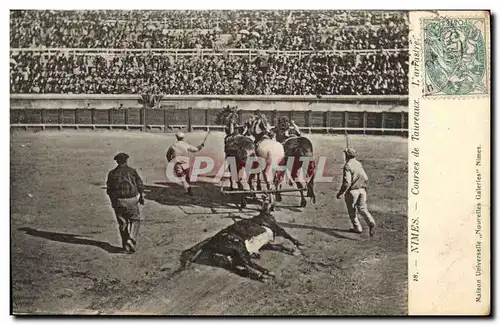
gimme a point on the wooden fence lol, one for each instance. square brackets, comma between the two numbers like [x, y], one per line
[190, 119]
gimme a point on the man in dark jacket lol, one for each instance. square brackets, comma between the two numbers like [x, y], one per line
[125, 190]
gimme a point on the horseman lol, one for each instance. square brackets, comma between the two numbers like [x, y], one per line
[287, 129]
[248, 126]
[293, 130]
[228, 117]
[232, 129]
[260, 128]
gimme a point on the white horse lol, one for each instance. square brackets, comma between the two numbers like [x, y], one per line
[271, 151]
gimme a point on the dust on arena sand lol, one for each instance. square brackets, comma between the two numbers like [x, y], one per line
[65, 239]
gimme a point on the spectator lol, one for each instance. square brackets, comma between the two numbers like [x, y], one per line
[369, 52]
[327, 74]
[263, 29]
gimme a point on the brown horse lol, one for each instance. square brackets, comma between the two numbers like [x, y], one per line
[236, 146]
[295, 147]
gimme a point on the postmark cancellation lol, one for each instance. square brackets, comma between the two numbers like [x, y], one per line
[455, 56]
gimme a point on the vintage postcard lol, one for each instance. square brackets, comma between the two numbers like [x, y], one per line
[250, 162]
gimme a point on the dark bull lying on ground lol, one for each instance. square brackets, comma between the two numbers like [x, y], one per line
[234, 246]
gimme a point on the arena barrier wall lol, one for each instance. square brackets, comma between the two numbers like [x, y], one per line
[328, 114]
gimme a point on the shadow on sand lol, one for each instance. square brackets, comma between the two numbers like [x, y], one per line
[205, 194]
[71, 239]
[334, 232]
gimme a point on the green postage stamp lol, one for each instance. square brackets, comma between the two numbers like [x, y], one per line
[455, 56]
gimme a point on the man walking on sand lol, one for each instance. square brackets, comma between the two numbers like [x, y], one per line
[354, 184]
[125, 189]
[181, 150]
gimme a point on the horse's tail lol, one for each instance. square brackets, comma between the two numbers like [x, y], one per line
[311, 169]
[280, 161]
[306, 149]
[311, 174]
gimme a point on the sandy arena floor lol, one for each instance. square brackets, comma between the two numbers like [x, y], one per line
[64, 235]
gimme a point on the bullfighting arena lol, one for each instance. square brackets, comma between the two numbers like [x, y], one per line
[65, 239]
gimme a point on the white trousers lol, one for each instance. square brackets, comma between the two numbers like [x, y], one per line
[356, 200]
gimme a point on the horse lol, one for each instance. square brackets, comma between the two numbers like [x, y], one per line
[297, 146]
[240, 148]
[269, 149]
[234, 246]
[236, 146]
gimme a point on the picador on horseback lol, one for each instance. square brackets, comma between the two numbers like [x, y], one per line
[260, 128]
[270, 150]
[299, 148]
[236, 144]
[287, 129]
[256, 138]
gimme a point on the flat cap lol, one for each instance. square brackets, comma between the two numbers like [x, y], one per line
[350, 152]
[180, 135]
[121, 157]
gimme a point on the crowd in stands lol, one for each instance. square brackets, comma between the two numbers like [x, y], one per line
[279, 30]
[363, 60]
[58, 30]
[312, 74]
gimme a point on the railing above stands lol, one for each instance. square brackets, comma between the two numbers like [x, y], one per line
[305, 98]
[193, 52]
